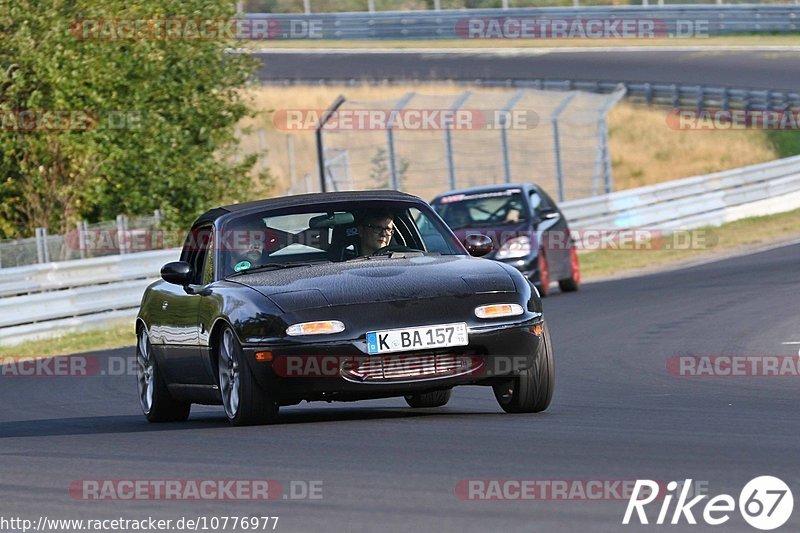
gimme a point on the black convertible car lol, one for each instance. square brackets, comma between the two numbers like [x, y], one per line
[342, 296]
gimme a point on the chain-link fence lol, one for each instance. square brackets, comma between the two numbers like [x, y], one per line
[427, 144]
[119, 236]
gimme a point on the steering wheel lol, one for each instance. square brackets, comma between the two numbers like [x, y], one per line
[394, 248]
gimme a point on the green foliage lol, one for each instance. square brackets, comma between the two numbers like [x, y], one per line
[380, 172]
[160, 115]
[786, 143]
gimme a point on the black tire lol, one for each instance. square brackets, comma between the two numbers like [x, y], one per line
[531, 390]
[567, 285]
[252, 405]
[156, 402]
[435, 398]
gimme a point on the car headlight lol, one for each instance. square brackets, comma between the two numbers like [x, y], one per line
[516, 247]
[498, 310]
[323, 327]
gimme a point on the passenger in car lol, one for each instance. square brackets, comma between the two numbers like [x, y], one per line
[375, 229]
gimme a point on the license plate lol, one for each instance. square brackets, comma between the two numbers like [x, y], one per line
[419, 338]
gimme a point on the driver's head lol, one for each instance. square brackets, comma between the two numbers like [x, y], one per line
[248, 245]
[457, 216]
[375, 228]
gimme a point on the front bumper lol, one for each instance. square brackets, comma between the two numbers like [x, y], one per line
[344, 371]
[528, 265]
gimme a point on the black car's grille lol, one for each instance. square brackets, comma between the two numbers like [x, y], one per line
[409, 367]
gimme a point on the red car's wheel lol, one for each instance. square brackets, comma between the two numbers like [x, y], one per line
[572, 283]
[544, 275]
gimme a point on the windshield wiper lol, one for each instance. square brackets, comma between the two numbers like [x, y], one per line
[269, 266]
[365, 258]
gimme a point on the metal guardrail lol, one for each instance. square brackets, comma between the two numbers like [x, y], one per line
[33, 279]
[42, 300]
[674, 95]
[313, 6]
[708, 200]
[671, 21]
[659, 94]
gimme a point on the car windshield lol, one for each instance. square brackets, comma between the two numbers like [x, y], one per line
[312, 234]
[496, 208]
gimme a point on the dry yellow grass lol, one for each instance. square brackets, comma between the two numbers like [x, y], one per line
[729, 239]
[644, 149]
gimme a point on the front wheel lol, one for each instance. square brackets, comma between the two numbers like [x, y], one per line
[436, 398]
[245, 403]
[531, 390]
[156, 402]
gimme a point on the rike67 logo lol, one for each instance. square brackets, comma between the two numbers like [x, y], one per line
[765, 503]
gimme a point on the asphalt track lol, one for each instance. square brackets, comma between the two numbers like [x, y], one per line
[617, 414]
[774, 70]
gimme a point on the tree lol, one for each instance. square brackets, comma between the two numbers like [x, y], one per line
[145, 123]
[381, 173]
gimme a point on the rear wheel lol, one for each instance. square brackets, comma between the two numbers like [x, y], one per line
[531, 390]
[544, 275]
[245, 403]
[155, 400]
[572, 283]
[436, 398]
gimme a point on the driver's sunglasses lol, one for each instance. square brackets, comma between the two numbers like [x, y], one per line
[377, 230]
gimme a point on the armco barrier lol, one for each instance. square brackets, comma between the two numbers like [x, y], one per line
[453, 24]
[41, 300]
[18, 281]
[712, 199]
[669, 95]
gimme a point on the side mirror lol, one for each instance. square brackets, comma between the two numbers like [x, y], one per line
[478, 245]
[177, 273]
[547, 214]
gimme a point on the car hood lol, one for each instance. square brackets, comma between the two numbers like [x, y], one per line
[379, 280]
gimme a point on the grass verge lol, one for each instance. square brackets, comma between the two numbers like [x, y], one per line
[718, 242]
[118, 335]
[723, 240]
